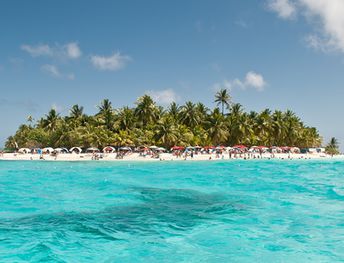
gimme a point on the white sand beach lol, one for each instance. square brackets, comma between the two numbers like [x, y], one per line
[163, 157]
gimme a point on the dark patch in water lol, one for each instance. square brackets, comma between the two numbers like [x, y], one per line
[162, 211]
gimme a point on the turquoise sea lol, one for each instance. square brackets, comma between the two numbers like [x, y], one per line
[230, 211]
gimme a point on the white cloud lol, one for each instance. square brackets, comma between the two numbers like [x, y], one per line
[284, 8]
[255, 80]
[163, 97]
[53, 71]
[38, 50]
[73, 50]
[327, 18]
[252, 80]
[114, 62]
[70, 50]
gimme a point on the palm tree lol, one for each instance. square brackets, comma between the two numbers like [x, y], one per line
[106, 114]
[189, 115]
[30, 120]
[146, 110]
[76, 111]
[166, 132]
[51, 120]
[217, 129]
[333, 147]
[222, 98]
[173, 111]
[126, 118]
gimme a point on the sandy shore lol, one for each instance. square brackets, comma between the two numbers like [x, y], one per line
[162, 157]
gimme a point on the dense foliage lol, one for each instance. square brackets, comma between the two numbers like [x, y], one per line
[148, 124]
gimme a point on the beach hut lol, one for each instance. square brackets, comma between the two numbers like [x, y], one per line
[109, 149]
[92, 150]
[75, 150]
[24, 150]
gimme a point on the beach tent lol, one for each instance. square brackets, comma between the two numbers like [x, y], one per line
[61, 150]
[161, 149]
[153, 147]
[92, 150]
[47, 150]
[24, 150]
[109, 149]
[75, 150]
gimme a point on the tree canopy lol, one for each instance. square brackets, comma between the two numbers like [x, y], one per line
[146, 123]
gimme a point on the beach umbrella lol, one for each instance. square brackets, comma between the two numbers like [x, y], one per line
[161, 149]
[61, 150]
[125, 149]
[153, 147]
[239, 146]
[295, 149]
[48, 149]
[142, 148]
[220, 147]
[75, 149]
[24, 150]
[208, 147]
[109, 149]
[176, 148]
[92, 149]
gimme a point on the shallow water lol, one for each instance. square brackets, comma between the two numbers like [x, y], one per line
[233, 211]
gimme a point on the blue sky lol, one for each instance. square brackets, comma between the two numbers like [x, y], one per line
[278, 54]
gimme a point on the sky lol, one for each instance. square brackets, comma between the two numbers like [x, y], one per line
[277, 54]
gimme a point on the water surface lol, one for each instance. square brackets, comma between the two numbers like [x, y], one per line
[233, 211]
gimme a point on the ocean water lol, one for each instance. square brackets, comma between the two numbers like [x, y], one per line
[232, 211]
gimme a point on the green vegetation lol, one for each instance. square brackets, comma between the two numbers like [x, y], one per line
[148, 124]
[332, 147]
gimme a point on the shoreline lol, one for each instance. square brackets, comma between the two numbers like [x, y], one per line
[163, 157]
